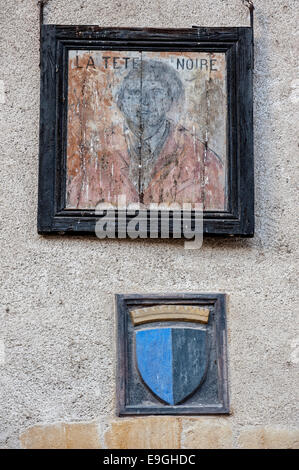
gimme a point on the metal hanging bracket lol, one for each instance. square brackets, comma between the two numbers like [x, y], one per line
[250, 6]
[41, 4]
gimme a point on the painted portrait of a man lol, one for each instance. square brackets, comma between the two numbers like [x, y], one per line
[143, 151]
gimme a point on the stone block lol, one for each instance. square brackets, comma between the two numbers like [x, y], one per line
[61, 436]
[206, 433]
[144, 433]
[268, 437]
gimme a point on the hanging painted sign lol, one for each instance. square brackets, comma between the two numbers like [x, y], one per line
[145, 120]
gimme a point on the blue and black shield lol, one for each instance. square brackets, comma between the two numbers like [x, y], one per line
[172, 361]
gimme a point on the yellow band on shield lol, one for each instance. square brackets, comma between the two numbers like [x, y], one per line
[170, 313]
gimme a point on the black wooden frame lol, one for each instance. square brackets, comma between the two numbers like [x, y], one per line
[123, 303]
[57, 40]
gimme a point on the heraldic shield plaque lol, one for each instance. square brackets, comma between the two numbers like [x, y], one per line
[172, 354]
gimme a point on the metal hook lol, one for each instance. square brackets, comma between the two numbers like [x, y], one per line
[42, 4]
[249, 4]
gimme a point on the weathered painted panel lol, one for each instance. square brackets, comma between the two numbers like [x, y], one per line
[150, 126]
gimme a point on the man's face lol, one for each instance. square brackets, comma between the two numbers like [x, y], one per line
[145, 103]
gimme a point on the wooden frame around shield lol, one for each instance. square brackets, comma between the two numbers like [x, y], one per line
[124, 302]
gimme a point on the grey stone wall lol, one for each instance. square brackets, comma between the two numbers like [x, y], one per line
[57, 354]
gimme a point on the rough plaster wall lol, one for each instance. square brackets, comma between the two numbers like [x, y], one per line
[57, 313]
